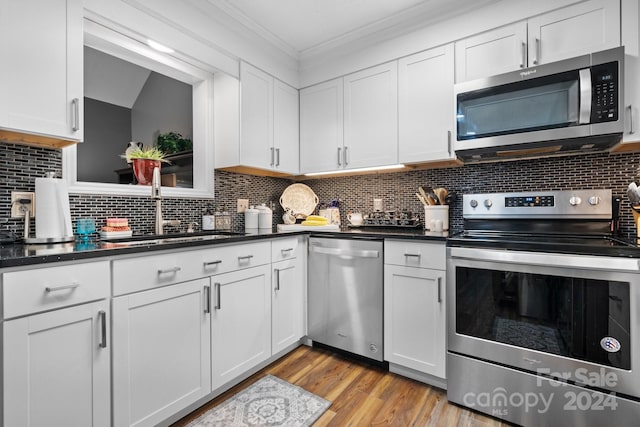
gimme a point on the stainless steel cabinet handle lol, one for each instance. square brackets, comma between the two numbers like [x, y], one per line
[102, 315]
[75, 103]
[439, 289]
[346, 155]
[449, 142]
[523, 54]
[286, 251]
[207, 299]
[169, 270]
[339, 156]
[217, 306]
[271, 149]
[536, 52]
[245, 257]
[277, 157]
[61, 288]
[277, 271]
[210, 263]
[631, 130]
[412, 255]
[345, 252]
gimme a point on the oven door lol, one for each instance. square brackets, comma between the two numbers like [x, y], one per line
[564, 316]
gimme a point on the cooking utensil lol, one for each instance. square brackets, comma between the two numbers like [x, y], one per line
[429, 195]
[422, 199]
[441, 194]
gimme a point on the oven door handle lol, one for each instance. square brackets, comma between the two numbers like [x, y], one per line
[584, 262]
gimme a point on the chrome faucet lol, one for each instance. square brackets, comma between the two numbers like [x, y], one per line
[156, 184]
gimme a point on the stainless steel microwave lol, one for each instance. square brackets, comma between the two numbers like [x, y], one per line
[574, 105]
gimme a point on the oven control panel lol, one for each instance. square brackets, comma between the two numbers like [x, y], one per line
[588, 204]
[531, 201]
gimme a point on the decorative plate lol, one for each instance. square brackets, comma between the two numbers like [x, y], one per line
[299, 199]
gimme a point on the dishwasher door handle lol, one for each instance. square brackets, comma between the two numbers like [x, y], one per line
[345, 252]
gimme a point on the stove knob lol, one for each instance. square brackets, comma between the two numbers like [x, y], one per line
[473, 203]
[488, 203]
[594, 200]
[575, 200]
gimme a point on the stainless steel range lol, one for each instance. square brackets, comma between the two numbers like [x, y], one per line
[543, 310]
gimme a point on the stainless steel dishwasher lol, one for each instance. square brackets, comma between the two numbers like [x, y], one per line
[345, 294]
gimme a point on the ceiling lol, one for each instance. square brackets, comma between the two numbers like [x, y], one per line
[303, 26]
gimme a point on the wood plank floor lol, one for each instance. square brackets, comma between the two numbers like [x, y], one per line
[361, 394]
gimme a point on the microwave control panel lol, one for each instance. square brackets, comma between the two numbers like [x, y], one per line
[604, 92]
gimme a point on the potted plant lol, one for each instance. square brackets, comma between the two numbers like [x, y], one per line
[173, 142]
[144, 160]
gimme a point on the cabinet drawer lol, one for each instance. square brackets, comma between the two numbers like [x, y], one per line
[249, 255]
[415, 254]
[282, 249]
[147, 272]
[31, 291]
[223, 259]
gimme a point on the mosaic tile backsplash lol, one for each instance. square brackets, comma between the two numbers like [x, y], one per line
[20, 165]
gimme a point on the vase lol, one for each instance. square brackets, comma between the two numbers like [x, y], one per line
[143, 170]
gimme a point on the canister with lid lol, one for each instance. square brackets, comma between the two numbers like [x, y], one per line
[251, 218]
[264, 217]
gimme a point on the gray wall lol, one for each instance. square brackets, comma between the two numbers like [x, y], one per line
[164, 105]
[106, 136]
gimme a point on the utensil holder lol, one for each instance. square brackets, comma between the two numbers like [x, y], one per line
[436, 213]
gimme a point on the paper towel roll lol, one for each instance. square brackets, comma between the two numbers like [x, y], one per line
[53, 216]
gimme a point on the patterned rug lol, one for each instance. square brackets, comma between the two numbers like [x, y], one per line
[269, 401]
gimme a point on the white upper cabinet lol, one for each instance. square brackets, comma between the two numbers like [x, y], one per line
[564, 33]
[321, 127]
[256, 117]
[575, 30]
[268, 122]
[41, 82]
[425, 103]
[631, 42]
[493, 52]
[371, 117]
[286, 128]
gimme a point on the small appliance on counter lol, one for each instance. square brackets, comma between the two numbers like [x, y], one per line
[389, 219]
[53, 221]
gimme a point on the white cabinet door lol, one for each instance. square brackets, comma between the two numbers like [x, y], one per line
[631, 42]
[256, 118]
[240, 322]
[161, 352]
[286, 141]
[493, 52]
[56, 368]
[414, 321]
[41, 81]
[371, 117]
[575, 30]
[287, 304]
[425, 106]
[321, 127]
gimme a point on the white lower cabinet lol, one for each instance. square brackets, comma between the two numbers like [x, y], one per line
[56, 368]
[415, 307]
[240, 322]
[161, 352]
[287, 304]
[414, 327]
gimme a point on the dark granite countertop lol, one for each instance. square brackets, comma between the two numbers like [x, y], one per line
[18, 254]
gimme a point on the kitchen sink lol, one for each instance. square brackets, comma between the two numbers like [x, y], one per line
[158, 239]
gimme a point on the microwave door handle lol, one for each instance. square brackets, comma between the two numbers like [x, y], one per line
[585, 96]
